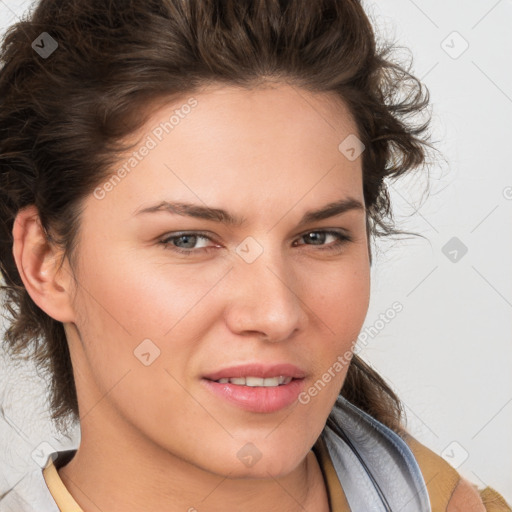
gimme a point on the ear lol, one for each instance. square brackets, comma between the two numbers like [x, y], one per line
[49, 284]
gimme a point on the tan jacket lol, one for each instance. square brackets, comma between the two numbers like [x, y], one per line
[447, 490]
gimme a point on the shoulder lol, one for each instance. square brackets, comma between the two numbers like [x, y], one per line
[447, 489]
[465, 497]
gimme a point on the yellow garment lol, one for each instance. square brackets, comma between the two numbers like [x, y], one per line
[58, 490]
[441, 480]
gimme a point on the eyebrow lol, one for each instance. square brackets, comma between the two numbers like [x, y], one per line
[219, 215]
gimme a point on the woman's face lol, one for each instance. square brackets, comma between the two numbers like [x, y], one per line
[156, 312]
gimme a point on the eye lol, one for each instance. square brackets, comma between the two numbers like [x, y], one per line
[187, 243]
[191, 243]
[321, 236]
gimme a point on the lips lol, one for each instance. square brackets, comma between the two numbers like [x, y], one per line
[257, 387]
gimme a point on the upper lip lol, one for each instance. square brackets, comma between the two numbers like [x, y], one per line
[258, 370]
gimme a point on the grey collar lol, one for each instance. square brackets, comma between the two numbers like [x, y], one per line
[376, 468]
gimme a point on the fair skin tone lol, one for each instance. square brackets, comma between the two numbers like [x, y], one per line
[153, 437]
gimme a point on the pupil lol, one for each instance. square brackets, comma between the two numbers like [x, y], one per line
[190, 239]
[317, 237]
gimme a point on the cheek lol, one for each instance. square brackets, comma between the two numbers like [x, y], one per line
[141, 325]
[144, 297]
[339, 297]
[132, 312]
[340, 309]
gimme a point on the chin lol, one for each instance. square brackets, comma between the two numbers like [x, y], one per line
[270, 461]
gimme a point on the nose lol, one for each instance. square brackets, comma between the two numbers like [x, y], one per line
[265, 299]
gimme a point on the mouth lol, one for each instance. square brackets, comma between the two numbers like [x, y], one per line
[253, 382]
[256, 387]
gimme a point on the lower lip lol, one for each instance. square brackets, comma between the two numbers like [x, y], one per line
[258, 399]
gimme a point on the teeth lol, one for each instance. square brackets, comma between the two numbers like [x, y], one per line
[257, 381]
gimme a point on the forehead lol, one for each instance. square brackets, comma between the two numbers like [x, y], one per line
[276, 101]
[241, 146]
[221, 110]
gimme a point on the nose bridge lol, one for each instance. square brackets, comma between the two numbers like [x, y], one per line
[264, 299]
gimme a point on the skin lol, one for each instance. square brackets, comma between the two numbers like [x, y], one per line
[152, 437]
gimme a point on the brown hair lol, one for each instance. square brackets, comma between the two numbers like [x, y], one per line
[64, 117]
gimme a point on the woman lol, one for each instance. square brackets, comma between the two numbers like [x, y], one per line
[189, 192]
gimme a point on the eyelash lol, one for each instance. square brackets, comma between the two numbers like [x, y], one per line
[342, 239]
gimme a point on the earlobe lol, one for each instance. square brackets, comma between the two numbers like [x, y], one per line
[47, 282]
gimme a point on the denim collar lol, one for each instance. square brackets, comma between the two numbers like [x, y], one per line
[375, 467]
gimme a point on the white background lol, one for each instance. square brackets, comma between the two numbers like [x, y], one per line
[448, 354]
